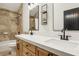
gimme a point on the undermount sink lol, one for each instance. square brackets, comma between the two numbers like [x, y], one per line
[62, 43]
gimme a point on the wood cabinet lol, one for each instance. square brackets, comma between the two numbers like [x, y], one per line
[27, 52]
[19, 48]
[41, 52]
[29, 46]
[28, 49]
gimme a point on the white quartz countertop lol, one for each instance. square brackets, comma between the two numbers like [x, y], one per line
[52, 44]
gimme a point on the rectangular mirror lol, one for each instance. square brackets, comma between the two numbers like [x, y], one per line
[34, 18]
[71, 19]
[44, 14]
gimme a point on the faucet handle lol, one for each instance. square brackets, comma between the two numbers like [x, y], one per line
[67, 37]
[60, 36]
[63, 30]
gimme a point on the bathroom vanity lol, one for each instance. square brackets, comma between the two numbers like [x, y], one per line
[28, 49]
[35, 45]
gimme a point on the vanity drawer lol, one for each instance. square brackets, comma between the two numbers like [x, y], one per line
[29, 46]
[27, 52]
[41, 52]
[25, 44]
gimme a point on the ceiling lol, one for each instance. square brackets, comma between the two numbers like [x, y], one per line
[10, 6]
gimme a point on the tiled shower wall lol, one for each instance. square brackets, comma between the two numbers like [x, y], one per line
[8, 23]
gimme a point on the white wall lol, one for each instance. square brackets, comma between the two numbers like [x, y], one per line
[47, 30]
[25, 18]
[58, 17]
[59, 9]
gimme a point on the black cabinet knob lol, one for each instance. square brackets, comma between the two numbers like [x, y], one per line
[18, 46]
[50, 54]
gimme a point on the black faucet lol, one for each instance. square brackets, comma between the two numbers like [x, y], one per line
[64, 37]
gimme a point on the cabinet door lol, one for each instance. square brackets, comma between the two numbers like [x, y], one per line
[29, 46]
[41, 52]
[27, 52]
[19, 48]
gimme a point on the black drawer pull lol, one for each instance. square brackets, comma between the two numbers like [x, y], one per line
[18, 46]
[50, 54]
[26, 45]
[26, 52]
